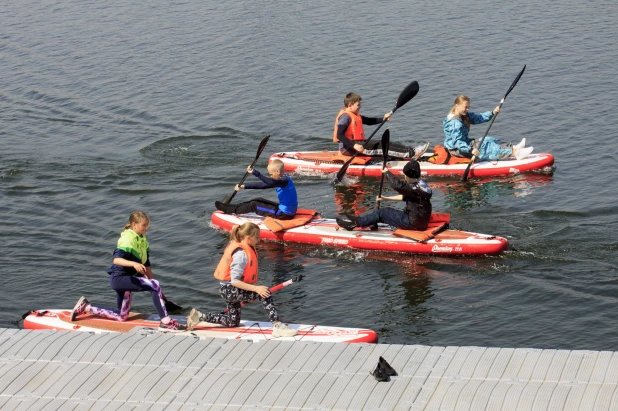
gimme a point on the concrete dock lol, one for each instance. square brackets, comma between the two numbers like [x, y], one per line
[149, 370]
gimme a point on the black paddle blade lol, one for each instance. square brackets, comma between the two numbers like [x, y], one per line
[407, 94]
[171, 306]
[261, 147]
[515, 81]
[386, 139]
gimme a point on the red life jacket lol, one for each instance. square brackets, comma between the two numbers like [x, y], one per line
[250, 273]
[355, 130]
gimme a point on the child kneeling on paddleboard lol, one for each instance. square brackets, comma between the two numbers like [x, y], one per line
[456, 126]
[286, 191]
[350, 135]
[131, 272]
[238, 273]
[415, 192]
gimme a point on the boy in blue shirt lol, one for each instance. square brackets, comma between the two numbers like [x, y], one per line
[285, 209]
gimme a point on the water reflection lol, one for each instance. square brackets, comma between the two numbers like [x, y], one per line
[480, 192]
[358, 196]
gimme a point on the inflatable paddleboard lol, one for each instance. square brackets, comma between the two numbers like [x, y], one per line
[247, 330]
[328, 162]
[326, 232]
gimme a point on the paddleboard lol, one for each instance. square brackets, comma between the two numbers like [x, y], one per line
[247, 330]
[326, 232]
[328, 162]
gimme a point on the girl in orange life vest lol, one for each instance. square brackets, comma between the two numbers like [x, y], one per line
[350, 135]
[237, 272]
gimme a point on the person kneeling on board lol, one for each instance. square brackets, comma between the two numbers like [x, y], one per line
[238, 274]
[414, 191]
[131, 272]
[281, 182]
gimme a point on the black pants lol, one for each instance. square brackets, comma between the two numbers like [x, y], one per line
[234, 296]
[374, 149]
[263, 207]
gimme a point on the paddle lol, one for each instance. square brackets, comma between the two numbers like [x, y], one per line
[228, 199]
[278, 287]
[464, 178]
[386, 137]
[169, 305]
[406, 95]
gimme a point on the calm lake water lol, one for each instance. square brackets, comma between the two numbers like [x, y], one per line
[108, 107]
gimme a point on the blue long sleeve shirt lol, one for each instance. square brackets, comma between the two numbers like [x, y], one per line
[456, 132]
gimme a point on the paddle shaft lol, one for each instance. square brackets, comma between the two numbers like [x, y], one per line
[261, 147]
[406, 95]
[464, 178]
[276, 288]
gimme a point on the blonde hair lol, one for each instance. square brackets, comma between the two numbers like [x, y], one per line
[350, 99]
[460, 100]
[276, 165]
[136, 217]
[240, 232]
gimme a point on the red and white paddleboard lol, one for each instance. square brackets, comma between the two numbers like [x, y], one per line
[328, 162]
[247, 330]
[324, 231]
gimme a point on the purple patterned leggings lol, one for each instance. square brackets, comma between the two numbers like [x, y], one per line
[233, 296]
[125, 285]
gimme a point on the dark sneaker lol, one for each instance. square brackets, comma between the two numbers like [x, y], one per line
[386, 367]
[172, 326]
[374, 227]
[193, 319]
[379, 373]
[283, 330]
[348, 222]
[420, 150]
[80, 308]
[226, 208]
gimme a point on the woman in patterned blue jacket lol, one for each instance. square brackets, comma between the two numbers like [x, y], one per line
[457, 126]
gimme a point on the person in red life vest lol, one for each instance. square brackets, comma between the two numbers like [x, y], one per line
[237, 273]
[414, 191]
[287, 206]
[350, 135]
[131, 272]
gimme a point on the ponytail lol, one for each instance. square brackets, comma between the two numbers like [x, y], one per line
[240, 232]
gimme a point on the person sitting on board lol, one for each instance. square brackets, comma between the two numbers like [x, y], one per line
[415, 192]
[350, 135]
[457, 126]
[286, 191]
[237, 273]
[131, 272]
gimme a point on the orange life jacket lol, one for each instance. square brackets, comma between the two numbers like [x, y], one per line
[250, 273]
[442, 156]
[355, 130]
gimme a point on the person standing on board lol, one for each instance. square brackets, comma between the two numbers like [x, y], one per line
[237, 273]
[415, 192]
[281, 182]
[131, 272]
[350, 135]
[457, 126]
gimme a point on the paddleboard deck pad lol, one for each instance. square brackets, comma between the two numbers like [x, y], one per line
[328, 162]
[326, 232]
[247, 330]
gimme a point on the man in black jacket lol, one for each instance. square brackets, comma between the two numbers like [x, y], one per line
[415, 192]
